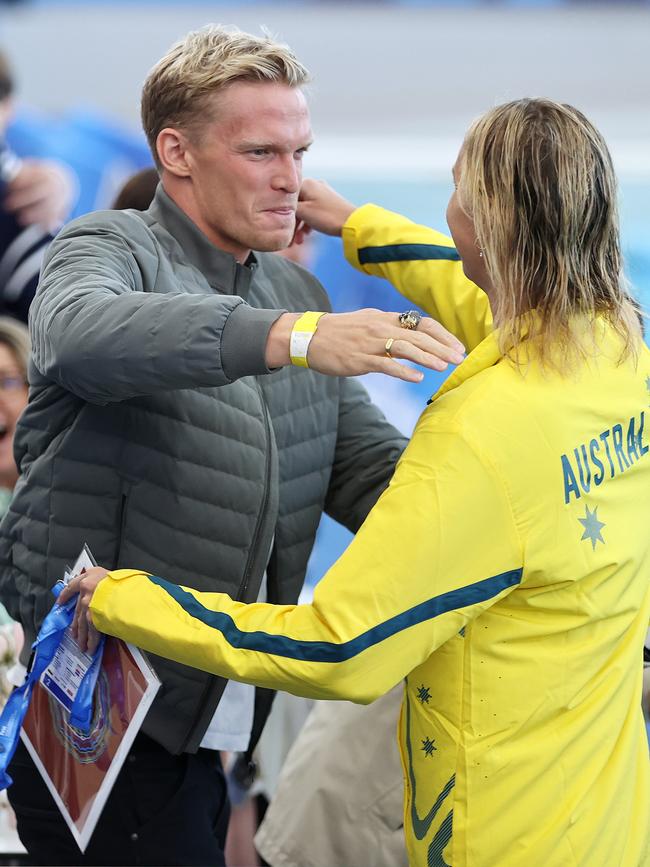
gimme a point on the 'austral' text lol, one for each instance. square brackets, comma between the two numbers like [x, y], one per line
[605, 456]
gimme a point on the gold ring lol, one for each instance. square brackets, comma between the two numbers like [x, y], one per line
[388, 346]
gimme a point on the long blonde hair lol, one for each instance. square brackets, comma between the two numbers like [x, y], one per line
[537, 179]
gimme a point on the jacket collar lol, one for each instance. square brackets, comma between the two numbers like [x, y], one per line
[221, 269]
[485, 355]
[488, 353]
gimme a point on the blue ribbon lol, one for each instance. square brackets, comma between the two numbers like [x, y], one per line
[44, 648]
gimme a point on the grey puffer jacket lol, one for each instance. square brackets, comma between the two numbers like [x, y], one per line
[155, 432]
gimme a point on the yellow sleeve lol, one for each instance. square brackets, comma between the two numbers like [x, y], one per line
[423, 265]
[438, 549]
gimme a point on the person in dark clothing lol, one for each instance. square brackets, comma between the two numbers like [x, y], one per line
[174, 420]
[137, 191]
[35, 197]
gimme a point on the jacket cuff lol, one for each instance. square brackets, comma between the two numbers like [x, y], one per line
[106, 586]
[243, 341]
[120, 574]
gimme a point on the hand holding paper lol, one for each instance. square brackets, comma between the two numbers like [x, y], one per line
[84, 584]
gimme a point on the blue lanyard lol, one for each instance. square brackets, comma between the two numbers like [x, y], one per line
[44, 648]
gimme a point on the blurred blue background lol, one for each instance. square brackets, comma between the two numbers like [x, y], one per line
[448, 3]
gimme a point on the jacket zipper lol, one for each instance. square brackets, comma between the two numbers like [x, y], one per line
[251, 553]
[265, 499]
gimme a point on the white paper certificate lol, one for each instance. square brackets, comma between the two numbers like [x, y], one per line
[80, 767]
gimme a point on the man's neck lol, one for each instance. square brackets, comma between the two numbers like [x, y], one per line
[181, 195]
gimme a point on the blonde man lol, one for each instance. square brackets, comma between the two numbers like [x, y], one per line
[155, 433]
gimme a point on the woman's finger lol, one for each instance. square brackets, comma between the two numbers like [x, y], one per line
[82, 625]
[93, 634]
[70, 589]
[74, 628]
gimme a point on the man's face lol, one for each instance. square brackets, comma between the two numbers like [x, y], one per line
[245, 167]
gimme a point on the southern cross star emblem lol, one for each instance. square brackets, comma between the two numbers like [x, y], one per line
[423, 695]
[592, 527]
[428, 747]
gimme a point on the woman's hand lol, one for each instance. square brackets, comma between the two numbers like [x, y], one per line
[83, 631]
[320, 207]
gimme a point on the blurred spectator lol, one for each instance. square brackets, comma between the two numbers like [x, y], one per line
[35, 197]
[339, 798]
[14, 357]
[138, 191]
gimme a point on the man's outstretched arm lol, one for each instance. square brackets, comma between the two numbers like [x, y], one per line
[97, 334]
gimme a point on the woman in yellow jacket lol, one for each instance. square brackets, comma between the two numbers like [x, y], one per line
[504, 574]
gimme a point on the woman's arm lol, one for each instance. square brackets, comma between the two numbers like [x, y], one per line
[438, 549]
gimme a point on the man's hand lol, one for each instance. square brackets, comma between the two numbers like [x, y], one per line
[349, 344]
[321, 208]
[84, 584]
[42, 192]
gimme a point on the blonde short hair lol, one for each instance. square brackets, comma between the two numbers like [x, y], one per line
[537, 179]
[178, 90]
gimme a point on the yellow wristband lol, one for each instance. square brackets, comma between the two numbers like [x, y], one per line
[301, 335]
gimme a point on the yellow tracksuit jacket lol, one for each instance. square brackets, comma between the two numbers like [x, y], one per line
[505, 573]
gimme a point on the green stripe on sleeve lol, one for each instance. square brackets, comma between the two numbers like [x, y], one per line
[406, 253]
[328, 651]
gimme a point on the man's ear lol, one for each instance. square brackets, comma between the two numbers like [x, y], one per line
[172, 147]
